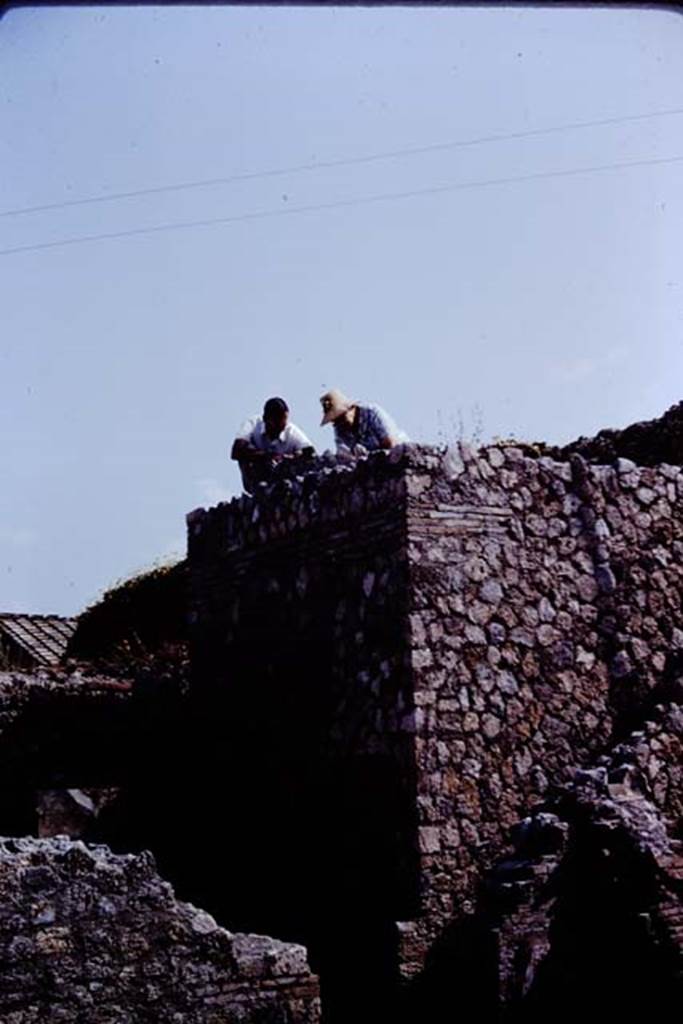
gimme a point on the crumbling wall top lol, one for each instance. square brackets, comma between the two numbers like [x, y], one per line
[85, 933]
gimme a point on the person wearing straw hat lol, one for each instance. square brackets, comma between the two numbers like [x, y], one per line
[359, 428]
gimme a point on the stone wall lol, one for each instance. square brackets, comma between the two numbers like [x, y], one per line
[545, 616]
[650, 762]
[585, 907]
[588, 905]
[295, 593]
[59, 730]
[298, 593]
[470, 624]
[86, 935]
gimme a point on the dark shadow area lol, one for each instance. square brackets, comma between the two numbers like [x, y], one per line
[56, 739]
[252, 817]
[605, 960]
[647, 443]
[459, 982]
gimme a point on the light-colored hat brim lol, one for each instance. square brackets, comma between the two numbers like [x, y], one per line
[334, 414]
[340, 405]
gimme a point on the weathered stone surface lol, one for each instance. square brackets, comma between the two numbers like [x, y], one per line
[87, 935]
[530, 589]
[592, 883]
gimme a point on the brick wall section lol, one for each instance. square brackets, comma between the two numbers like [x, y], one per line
[86, 935]
[485, 618]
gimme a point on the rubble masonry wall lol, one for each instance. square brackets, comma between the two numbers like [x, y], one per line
[87, 935]
[546, 612]
[485, 619]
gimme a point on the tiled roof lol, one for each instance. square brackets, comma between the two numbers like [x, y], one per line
[42, 637]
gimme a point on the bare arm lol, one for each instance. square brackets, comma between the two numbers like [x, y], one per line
[242, 451]
[388, 432]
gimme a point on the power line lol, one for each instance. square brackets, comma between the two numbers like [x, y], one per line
[342, 162]
[338, 204]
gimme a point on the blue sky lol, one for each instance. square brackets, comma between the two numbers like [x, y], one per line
[544, 308]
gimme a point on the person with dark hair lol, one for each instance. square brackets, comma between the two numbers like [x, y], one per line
[262, 441]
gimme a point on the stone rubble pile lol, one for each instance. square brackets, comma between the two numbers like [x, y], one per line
[648, 443]
[88, 935]
[608, 839]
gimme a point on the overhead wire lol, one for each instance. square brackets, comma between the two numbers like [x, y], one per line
[339, 204]
[341, 162]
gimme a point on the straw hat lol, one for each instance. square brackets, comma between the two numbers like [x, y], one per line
[335, 404]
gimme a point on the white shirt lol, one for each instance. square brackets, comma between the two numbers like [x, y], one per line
[291, 440]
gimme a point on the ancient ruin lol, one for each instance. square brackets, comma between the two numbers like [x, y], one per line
[87, 935]
[428, 727]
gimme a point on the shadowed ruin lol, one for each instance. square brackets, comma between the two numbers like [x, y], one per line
[445, 636]
[427, 726]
